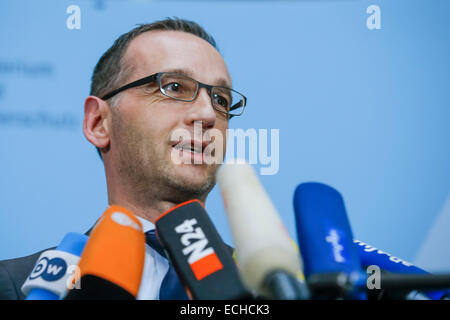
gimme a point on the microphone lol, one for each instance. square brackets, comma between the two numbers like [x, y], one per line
[386, 262]
[372, 256]
[268, 259]
[112, 262]
[50, 276]
[332, 263]
[202, 261]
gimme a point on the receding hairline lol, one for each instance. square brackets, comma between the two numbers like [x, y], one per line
[128, 67]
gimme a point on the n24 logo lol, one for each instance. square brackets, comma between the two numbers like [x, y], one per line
[194, 241]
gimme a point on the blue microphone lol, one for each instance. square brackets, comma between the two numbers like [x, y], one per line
[331, 261]
[372, 256]
[50, 277]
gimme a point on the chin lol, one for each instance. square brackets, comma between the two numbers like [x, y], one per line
[195, 174]
[194, 178]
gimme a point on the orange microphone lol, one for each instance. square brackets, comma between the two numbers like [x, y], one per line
[112, 262]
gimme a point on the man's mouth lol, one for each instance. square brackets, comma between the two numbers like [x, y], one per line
[191, 150]
[189, 147]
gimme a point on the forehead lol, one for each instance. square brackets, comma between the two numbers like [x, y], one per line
[158, 51]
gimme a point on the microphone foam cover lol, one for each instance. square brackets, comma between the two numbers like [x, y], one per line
[116, 250]
[262, 241]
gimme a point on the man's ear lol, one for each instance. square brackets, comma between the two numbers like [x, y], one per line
[95, 124]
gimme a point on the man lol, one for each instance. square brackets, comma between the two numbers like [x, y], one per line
[156, 79]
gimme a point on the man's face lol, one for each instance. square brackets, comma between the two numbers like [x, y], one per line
[143, 119]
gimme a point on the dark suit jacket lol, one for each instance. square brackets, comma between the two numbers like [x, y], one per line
[13, 274]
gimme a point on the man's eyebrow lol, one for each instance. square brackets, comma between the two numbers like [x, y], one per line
[189, 73]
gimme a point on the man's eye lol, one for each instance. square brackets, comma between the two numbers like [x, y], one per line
[221, 102]
[174, 87]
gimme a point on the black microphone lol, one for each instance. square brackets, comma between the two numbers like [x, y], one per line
[203, 263]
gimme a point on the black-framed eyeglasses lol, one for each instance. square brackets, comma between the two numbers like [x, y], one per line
[183, 88]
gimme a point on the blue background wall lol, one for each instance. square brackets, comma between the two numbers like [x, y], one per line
[366, 111]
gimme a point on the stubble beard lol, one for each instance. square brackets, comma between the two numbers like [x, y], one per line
[145, 166]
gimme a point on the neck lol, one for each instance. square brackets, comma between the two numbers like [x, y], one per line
[149, 212]
[148, 207]
[145, 200]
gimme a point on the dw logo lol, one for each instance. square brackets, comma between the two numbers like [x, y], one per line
[50, 270]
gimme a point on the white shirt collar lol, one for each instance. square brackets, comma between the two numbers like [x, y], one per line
[146, 225]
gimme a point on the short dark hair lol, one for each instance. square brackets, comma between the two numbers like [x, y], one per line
[111, 70]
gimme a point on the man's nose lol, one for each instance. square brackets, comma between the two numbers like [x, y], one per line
[202, 110]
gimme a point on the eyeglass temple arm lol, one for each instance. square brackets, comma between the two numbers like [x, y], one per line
[137, 83]
[237, 105]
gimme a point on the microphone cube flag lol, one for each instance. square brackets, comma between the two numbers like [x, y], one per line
[202, 261]
[199, 255]
[115, 252]
[51, 275]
